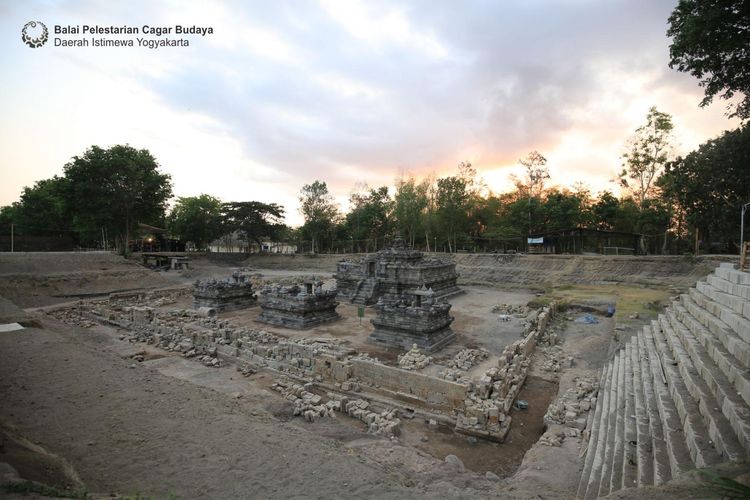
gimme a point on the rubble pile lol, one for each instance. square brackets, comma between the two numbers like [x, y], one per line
[413, 359]
[490, 398]
[519, 311]
[385, 423]
[567, 409]
[467, 358]
[552, 438]
[306, 404]
[455, 375]
[72, 317]
[555, 359]
[310, 406]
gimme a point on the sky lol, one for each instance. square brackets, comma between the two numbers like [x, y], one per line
[347, 92]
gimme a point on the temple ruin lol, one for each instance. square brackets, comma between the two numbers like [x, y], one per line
[298, 307]
[224, 295]
[412, 319]
[393, 271]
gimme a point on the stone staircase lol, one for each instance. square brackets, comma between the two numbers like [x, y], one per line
[677, 396]
[364, 292]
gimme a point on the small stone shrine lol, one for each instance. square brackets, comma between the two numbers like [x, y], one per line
[224, 295]
[298, 307]
[414, 318]
[393, 271]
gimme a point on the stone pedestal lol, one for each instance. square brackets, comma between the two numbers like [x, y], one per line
[227, 295]
[414, 318]
[393, 271]
[298, 307]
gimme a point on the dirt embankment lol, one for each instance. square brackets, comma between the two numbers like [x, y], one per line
[499, 269]
[42, 278]
[39, 279]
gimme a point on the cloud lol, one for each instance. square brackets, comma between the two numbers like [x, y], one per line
[285, 93]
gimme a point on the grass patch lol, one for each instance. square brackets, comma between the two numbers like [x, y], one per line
[628, 300]
[28, 487]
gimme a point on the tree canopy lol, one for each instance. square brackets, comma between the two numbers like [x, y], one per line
[711, 184]
[254, 219]
[319, 209]
[197, 219]
[710, 40]
[649, 150]
[116, 188]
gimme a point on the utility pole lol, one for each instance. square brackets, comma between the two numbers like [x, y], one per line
[11, 235]
[742, 225]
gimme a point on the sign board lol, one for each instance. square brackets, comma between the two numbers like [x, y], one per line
[535, 241]
[361, 311]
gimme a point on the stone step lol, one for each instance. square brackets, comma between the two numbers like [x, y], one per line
[737, 304]
[727, 286]
[630, 435]
[609, 445]
[644, 440]
[615, 480]
[593, 478]
[709, 437]
[594, 435]
[662, 470]
[740, 325]
[735, 371]
[678, 455]
[693, 303]
[729, 273]
[707, 377]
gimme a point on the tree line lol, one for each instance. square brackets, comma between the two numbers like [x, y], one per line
[676, 203]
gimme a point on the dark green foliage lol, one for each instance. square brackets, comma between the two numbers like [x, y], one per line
[321, 214]
[115, 188]
[711, 184]
[42, 490]
[710, 40]
[648, 151]
[255, 220]
[198, 219]
[369, 216]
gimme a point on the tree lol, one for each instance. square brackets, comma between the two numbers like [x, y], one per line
[563, 210]
[197, 219]
[649, 149]
[256, 220]
[319, 209]
[369, 216]
[452, 201]
[116, 188]
[710, 40]
[711, 184]
[409, 204]
[43, 207]
[536, 173]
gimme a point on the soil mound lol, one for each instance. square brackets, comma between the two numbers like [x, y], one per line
[31, 279]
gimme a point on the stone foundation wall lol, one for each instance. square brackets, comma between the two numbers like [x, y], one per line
[478, 407]
[442, 394]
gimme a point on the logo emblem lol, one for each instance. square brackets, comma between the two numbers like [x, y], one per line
[34, 34]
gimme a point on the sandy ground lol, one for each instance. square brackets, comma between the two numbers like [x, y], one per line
[77, 412]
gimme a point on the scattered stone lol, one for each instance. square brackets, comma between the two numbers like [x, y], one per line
[455, 461]
[413, 359]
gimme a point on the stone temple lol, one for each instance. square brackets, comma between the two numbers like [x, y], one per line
[225, 295]
[393, 271]
[414, 318]
[298, 307]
